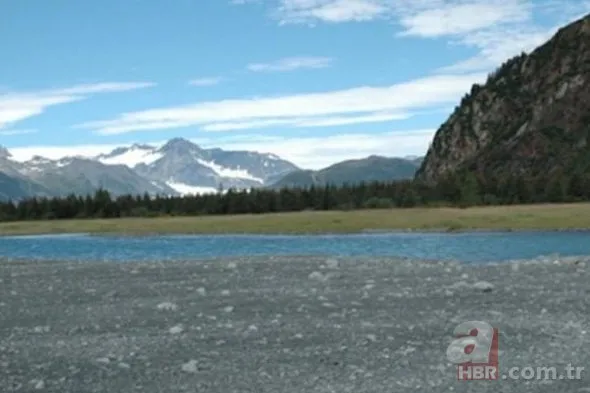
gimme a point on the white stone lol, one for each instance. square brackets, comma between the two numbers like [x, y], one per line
[167, 306]
[176, 329]
[190, 367]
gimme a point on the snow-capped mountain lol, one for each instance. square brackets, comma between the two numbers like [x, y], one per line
[178, 167]
[189, 168]
[77, 175]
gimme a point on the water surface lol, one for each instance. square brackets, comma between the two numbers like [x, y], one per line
[465, 247]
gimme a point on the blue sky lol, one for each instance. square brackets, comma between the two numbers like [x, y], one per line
[314, 81]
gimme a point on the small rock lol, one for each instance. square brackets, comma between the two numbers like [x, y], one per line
[176, 329]
[202, 291]
[483, 286]
[252, 329]
[39, 384]
[112, 294]
[103, 360]
[317, 276]
[225, 292]
[332, 263]
[228, 309]
[167, 306]
[190, 367]
[124, 365]
[42, 329]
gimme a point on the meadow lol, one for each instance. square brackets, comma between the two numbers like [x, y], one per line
[515, 217]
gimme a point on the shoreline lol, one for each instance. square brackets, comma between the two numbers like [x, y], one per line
[545, 259]
[394, 231]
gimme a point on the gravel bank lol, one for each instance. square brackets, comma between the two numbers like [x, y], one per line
[283, 325]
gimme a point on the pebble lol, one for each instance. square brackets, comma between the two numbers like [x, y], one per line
[332, 263]
[176, 329]
[483, 286]
[317, 276]
[39, 384]
[190, 367]
[167, 306]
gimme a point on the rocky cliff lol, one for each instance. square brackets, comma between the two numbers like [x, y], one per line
[531, 117]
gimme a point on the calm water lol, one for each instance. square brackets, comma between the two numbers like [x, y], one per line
[467, 247]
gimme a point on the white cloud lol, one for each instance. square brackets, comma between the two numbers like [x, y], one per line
[291, 64]
[417, 16]
[499, 43]
[496, 29]
[424, 93]
[17, 106]
[199, 82]
[309, 11]
[12, 132]
[307, 152]
[306, 122]
[453, 18]
[494, 48]
[56, 152]
[111, 87]
[319, 152]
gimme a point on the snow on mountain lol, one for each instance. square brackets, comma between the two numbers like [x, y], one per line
[181, 164]
[176, 167]
[185, 189]
[131, 156]
[229, 172]
[35, 164]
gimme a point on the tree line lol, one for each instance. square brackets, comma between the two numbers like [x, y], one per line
[460, 190]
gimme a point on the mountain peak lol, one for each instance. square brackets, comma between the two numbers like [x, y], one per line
[179, 144]
[4, 153]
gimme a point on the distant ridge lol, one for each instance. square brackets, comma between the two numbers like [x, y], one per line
[372, 168]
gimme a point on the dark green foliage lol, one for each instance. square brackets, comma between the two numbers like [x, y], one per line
[462, 189]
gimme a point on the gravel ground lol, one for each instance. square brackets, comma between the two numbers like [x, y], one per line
[284, 324]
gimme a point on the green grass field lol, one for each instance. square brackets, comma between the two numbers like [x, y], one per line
[558, 216]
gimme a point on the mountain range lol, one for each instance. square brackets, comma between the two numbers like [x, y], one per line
[372, 168]
[178, 167]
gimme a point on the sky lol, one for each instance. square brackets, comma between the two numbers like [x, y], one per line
[313, 81]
